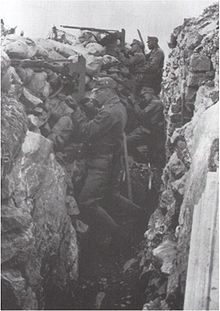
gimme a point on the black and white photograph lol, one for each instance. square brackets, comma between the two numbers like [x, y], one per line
[109, 154]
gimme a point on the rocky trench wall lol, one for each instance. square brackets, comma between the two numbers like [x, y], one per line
[190, 96]
[38, 242]
[39, 216]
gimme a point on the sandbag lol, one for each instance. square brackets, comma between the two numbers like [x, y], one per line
[39, 86]
[42, 52]
[95, 49]
[45, 43]
[25, 74]
[49, 46]
[52, 54]
[93, 64]
[33, 100]
[80, 49]
[20, 48]
[55, 49]
[63, 49]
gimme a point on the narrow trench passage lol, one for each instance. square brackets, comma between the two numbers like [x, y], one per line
[109, 276]
[109, 271]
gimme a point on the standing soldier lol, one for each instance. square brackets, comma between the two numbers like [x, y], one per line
[135, 63]
[149, 112]
[103, 140]
[153, 69]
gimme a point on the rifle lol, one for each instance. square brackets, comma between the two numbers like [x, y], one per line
[142, 41]
[69, 69]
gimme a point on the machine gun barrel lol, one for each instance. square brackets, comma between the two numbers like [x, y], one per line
[88, 28]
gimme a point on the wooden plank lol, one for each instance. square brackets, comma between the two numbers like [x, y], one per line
[214, 275]
[202, 282]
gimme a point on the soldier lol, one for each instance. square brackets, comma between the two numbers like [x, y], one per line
[149, 112]
[61, 125]
[135, 63]
[110, 41]
[103, 138]
[153, 69]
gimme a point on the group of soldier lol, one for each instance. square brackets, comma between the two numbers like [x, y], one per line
[100, 122]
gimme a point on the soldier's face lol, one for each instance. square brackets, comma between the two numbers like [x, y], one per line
[99, 95]
[145, 99]
[134, 48]
[151, 44]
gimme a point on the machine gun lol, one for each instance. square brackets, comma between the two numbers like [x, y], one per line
[64, 67]
[120, 34]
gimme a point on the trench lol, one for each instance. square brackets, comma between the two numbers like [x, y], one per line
[109, 271]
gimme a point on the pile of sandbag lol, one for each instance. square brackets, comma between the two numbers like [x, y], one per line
[40, 88]
[26, 48]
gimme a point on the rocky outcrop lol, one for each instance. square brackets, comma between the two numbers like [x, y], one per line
[39, 244]
[192, 63]
[190, 95]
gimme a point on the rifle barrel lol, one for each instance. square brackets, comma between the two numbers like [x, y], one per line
[87, 28]
[142, 41]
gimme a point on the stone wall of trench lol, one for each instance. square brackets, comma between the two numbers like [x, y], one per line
[39, 244]
[190, 96]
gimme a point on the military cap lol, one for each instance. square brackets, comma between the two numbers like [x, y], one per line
[105, 82]
[154, 39]
[148, 90]
[137, 42]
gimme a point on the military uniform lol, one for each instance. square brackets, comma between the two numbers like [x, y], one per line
[153, 69]
[135, 63]
[60, 122]
[150, 132]
[61, 132]
[103, 138]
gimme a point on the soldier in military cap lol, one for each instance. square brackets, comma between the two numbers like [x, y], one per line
[153, 68]
[149, 113]
[103, 139]
[135, 62]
